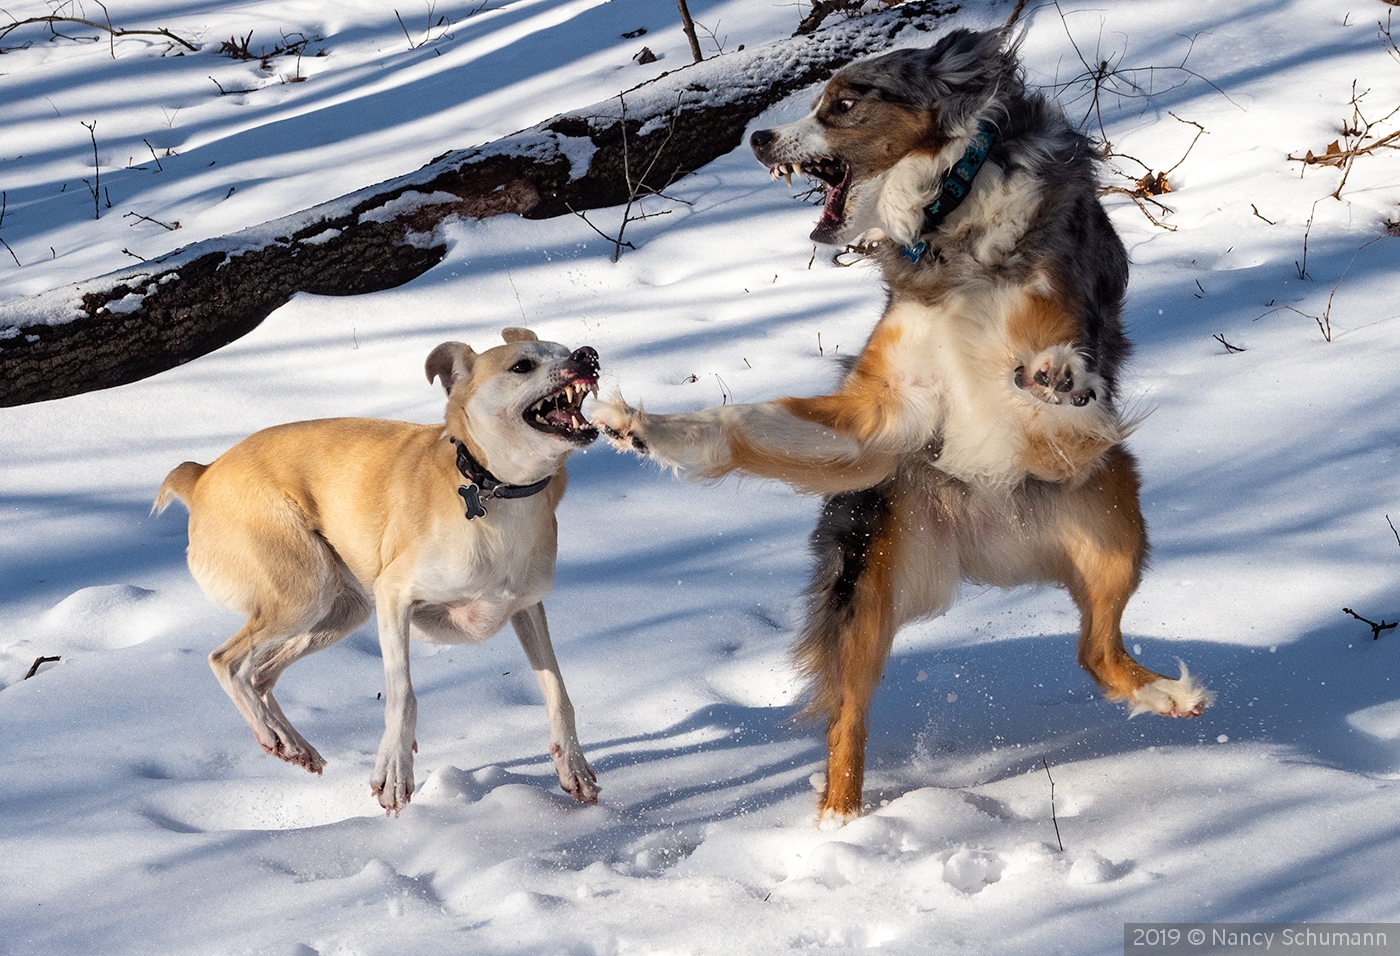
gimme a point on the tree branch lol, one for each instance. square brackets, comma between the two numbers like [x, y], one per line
[142, 320]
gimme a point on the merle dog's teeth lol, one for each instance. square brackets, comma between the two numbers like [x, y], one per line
[797, 168]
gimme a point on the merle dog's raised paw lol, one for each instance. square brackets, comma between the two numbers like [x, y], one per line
[1059, 375]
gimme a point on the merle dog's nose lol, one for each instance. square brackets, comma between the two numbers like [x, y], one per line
[761, 138]
[586, 359]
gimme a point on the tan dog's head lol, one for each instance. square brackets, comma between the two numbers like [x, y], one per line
[517, 407]
[876, 113]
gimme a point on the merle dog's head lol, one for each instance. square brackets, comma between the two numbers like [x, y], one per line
[875, 113]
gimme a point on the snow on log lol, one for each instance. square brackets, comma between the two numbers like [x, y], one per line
[136, 322]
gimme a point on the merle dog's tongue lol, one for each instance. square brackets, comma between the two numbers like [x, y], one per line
[833, 214]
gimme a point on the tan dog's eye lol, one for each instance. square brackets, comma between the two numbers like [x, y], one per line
[844, 105]
[523, 366]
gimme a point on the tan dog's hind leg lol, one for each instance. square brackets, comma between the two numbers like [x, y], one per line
[1105, 541]
[575, 776]
[301, 599]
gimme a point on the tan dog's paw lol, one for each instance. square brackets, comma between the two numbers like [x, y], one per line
[1057, 375]
[392, 782]
[576, 778]
[620, 424]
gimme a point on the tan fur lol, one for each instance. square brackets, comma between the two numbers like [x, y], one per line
[307, 527]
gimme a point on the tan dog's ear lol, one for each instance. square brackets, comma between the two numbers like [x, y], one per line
[449, 362]
[519, 335]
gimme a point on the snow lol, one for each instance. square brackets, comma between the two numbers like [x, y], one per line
[140, 816]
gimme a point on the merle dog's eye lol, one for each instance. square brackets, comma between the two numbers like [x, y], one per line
[523, 366]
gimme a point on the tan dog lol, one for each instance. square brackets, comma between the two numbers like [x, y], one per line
[305, 527]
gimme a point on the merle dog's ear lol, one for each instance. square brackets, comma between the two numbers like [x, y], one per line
[449, 362]
[964, 65]
[519, 335]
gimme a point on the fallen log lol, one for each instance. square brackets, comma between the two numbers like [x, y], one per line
[133, 323]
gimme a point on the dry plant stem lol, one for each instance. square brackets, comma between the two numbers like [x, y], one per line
[164, 225]
[688, 25]
[1121, 81]
[41, 661]
[1343, 153]
[52, 20]
[1053, 819]
[1231, 349]
[4, 204]
[1261, 215]
[1392, 529]
[96, 185]
[636, 188]
[1015, 15]
[1141, 200]
[1375, 628]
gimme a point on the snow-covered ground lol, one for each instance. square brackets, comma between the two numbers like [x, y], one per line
[140, 816]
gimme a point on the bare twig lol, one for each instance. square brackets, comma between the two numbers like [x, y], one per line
[4, 204]
[1053, 818]
[1141, 200]
[716, 41]
[224, 92]
[1261, 215]
[1015, 15]
[1352, 145]
[39, 662]
[1302, 267]
[637, 188]
[164, 225]
[1375, 628]
[95, 186]
[1392, 529]
[1108, 75]
[1220, 337]
[159, 167]
[52, 20]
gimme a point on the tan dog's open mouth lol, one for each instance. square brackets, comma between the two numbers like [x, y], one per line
[561, 412]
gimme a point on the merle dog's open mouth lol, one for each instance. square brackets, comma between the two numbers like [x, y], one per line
[561, 412]
[835, 177]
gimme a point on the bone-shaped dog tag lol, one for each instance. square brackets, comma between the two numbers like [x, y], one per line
[471, 497]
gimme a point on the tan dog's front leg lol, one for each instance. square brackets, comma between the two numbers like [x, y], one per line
[575, 776]
[392, 781]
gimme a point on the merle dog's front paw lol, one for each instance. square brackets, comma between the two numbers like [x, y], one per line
[620, 424]
[1059, 375]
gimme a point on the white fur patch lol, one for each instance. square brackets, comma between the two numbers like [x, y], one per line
[1183, 697]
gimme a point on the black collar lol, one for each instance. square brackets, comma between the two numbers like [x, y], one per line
[482, 484]
[957, 183]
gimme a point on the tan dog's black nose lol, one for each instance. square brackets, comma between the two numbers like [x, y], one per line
[586, 359]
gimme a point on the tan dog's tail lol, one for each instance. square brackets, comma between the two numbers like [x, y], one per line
[178, 484]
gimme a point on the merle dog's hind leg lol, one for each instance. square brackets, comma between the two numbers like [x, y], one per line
[882, 558]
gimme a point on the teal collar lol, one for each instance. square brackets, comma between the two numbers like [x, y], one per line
[957, 183]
